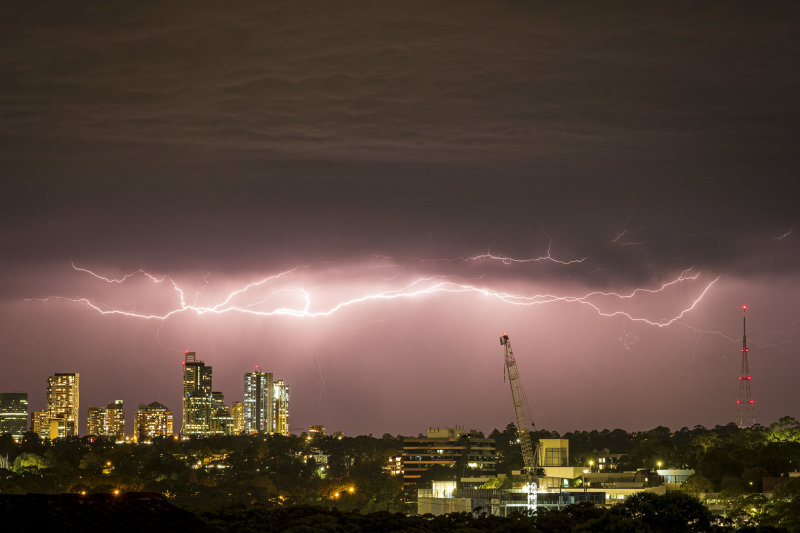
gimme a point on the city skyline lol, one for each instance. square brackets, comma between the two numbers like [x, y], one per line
[200, 408]
[362, 205]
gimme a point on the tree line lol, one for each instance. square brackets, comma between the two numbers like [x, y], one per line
[274, 471]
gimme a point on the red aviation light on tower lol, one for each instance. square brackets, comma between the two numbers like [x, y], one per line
[745, 403]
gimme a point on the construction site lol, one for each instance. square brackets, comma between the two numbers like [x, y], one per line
[546, 480]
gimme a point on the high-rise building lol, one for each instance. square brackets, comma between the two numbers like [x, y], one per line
[95, 420]
[257, 402]
[221, 418]
[237, 413]
[152, 420]
[63, 403]
[266, 404]
[14, 414]
[197, 397]
[107, 421]
[116, 420]
[280, 408]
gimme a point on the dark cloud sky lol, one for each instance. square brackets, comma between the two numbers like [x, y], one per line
[218, 146]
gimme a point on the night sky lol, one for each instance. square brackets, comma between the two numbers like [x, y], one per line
[401, 183]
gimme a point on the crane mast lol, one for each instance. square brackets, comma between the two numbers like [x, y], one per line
[529, 452]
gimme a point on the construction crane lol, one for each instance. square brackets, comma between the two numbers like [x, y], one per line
[530, 453]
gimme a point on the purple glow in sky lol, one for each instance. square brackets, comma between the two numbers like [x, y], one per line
[361, 200]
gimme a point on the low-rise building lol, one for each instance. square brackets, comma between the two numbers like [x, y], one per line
[450, 447]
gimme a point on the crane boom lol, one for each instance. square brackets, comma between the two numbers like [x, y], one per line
[524, 425]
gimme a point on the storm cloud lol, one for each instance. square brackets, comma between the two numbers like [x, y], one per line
[220, 144]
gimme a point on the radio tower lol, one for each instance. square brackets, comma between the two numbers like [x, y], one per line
[745, 404]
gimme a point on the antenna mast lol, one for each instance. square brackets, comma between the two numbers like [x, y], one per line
[745, 404]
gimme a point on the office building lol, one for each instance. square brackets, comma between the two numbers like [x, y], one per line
[152, 420]
[197, 397]
[447, 447]
[107, 421]
[63, 393]
[14, 414]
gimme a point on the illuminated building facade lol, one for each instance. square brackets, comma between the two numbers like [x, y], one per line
[107, 421]
[40, 423]
[95, 420]
[63, 393]
[257, 402]
[316, 430]
[197, 397]
[553, 452]
[280, 408]
[237, 413]
[266, 404]
[221, 418]
[394, 465]
[14, 414]
[446, 447]
[152, 420]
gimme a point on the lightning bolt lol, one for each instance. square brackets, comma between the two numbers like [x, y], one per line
[713, 332]
[423, 286]
[618, 239]
[506, 260]
[627, 339]
[786, 233]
